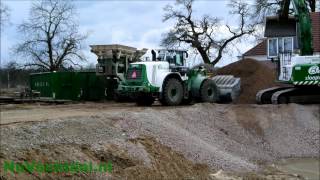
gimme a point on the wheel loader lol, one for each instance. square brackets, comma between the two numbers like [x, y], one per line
[167, 78]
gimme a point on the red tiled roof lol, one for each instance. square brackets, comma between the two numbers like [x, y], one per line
[260, 49]
[315, 17]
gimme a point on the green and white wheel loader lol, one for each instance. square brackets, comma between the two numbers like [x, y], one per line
[167, 79]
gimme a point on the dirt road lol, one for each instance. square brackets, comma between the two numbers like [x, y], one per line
[192, 142]
[30, 113]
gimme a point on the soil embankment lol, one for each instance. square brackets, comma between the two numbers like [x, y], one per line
[192, 142]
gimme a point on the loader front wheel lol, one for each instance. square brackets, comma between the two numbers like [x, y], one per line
[120, 98]
[172, 92]
[208, 91]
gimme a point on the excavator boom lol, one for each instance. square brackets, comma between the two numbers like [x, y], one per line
[304, 23]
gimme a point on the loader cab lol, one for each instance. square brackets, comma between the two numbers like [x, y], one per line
[175, 58]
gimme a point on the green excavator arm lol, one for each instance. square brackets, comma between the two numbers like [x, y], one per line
[304, 23]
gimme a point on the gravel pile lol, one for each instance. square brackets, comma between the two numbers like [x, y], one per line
[232, 137]
[228, 137]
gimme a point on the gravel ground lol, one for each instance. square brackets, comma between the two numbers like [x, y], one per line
[234, 138]
[231, 137]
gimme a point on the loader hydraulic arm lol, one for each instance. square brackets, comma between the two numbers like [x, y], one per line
[304, 24]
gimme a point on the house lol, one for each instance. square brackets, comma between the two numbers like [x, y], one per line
[280, 37]
[259, 52]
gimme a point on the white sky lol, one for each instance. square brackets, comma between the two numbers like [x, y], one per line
[135, 23]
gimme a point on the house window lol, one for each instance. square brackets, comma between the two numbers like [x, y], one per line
[279, 45]
[288, 44]
[273, 47]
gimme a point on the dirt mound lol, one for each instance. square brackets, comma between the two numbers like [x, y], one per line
[254, 76]
[165, 163]
[191, 142]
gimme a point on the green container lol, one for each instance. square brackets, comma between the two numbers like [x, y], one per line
[73, 85]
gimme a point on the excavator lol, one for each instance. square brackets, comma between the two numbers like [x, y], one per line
[299, 73]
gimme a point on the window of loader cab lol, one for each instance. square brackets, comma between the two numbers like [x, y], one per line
[179, 60]
[170, 59]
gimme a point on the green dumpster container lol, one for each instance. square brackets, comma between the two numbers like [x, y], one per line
[72, 85]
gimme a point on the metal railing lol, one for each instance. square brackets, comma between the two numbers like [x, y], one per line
[284, 62]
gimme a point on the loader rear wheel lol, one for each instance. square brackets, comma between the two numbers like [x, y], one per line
[208, 91]
[172, 92]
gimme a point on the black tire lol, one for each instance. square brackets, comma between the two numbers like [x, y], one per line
[119, 98]
[208, 91]
[116, 97]
[144, 100]
[163, 102]
[187, 101]
[172, 92]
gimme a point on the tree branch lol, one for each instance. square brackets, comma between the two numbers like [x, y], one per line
[50, 35]
[200, 34]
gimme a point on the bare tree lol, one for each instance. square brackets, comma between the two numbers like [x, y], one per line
[50, 36]
[4, 14]
[205, 34]
[312, 5]
[265, 8]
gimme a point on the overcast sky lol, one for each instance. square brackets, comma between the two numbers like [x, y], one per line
[135, 23]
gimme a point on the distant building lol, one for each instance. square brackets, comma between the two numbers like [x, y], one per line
[280, 38]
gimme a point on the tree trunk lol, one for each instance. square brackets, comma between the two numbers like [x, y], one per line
[204, 55]
[312, 5]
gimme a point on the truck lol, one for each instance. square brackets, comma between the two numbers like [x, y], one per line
[300, 73]
[167, 78]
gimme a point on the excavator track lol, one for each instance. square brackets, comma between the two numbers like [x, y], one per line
[264, 96]
[284, 95]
